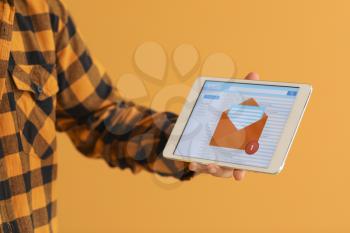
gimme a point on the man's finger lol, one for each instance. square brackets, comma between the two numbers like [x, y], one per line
[252, 76]
[239, 174]
[196, 167]
[212, 169]
[218, 171]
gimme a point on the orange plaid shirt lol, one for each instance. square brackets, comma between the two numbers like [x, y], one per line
[49, 82]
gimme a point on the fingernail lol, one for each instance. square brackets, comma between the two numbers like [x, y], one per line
[239, 177]
[212, 170]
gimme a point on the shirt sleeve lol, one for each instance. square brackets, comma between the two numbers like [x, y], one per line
[99, 123]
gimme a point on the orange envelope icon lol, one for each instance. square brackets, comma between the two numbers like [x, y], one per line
[228, 135]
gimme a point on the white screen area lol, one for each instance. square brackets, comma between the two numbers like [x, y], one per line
[237, 123]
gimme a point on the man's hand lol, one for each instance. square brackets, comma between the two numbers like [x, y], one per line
[216, 170]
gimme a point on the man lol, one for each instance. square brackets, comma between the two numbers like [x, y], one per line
[49, 82]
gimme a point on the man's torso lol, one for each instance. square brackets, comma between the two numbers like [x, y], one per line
[28, 88]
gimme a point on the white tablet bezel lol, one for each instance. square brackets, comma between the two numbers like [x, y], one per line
[280, 155]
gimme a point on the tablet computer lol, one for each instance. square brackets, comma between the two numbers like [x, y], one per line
[237, 123]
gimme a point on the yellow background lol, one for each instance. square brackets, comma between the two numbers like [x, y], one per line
[283, 40]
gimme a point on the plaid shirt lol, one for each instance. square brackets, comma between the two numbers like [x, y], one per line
[49, 82]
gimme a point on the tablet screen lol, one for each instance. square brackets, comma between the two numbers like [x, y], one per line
[237, 123]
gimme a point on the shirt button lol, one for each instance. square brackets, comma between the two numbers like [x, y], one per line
[39, 89]
[4, 30]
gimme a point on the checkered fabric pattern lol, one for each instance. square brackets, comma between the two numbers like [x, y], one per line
[50, 82]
